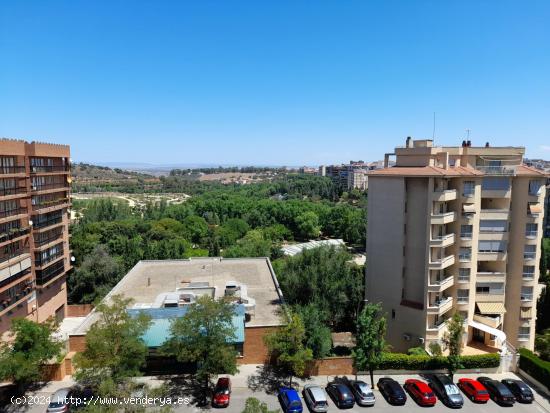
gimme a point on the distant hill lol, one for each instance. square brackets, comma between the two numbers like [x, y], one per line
[83, 172]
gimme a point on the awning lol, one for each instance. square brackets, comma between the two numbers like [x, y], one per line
[499, 334]
[491, 308]
[535, 208]
[525, 312]
[468, 208]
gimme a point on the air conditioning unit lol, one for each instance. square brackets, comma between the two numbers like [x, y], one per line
[421, 340]
[407, 337]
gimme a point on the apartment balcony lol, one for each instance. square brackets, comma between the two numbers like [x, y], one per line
[443, 218]
[493, 236]
[499, 214]
[15, 297]
[11, 193]
[42, 242]
[490, 276]
[441, 263]
[491, 256]
[441, 307]
[444, 195]
[49, 206]
[49, 274]
[12, 214]
[6, 171]
[442, 241]
[43, 262]
[493, 322]
[8, 277]
[436, 330]
[496, 193]
[14, 234]
[436, 285]
[14, 257]
[50, 188]
[50, 169]
[48, 223]
[530, 256]
[463, 303]
[527, 300]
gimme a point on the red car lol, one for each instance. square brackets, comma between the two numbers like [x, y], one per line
[420, 392]
[474, 390]
[222, 392]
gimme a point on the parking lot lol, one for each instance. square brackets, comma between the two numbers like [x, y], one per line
[241, 391]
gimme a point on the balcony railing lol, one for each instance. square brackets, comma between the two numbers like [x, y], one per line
[43, 261]
[14, 254]
[463, 278]
[490, 274]
[14, 233]
[466, 235]
[466, 257]
[38, 242]
[526, 297]
[47, 274]
[49, 222]
[12, 212]
[529, 275]
[531, 234]
[48, 204]
[529, 255]
[14, 277]
[11, 170]
[12, 191]
[60, 185]
[49, 168]
[21, 291]
[497, 170]
[462, 300]
[523, 337]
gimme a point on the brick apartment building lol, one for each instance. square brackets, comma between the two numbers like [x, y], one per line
[34, 237]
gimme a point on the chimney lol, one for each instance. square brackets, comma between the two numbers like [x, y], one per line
[486, 144]
[408, 142]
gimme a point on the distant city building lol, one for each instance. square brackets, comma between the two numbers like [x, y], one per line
[456, 229]
[547, 212]
[34, 230]
[308, 170]
[347, 176]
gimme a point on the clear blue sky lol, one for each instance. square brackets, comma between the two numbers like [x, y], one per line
[272, 82]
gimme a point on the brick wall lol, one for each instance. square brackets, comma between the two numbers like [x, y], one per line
[254, 349]
[79, 310]
[77, 343]
[331, 366]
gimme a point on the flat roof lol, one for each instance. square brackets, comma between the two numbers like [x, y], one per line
[147, 279]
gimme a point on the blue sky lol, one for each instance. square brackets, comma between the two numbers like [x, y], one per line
[272, 82]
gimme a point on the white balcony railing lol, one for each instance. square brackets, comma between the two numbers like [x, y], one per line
[497, 170]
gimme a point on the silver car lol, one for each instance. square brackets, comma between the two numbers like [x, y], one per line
[60, 401]
[315, 398]
[362, 392]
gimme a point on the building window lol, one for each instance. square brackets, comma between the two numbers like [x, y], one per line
[530, 252]
[493, 225]
[491, 246]
[531, 230]
[465, 254]
[526, 293]
[535, 187]
[462, 296]
[528, 271]
[495, 184]
[463, 274]
[469, 188]
[490, 288]
[466, 231]
[524, 333]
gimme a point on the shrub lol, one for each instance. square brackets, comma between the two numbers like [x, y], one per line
[417, 351]
[534, 366]
[398, 361]
[435, 349]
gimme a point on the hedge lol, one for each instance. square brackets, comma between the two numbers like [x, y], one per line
[535, 366]
[398, 361]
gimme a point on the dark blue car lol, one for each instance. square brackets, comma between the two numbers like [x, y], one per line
[290, 400]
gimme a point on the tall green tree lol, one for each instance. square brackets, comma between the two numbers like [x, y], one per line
[542, 344]
[115, 350]
[370, 340]
[308, 225]
[33, 345]
[453, 340]
[286, 346]
[205, 335]
[317, 334]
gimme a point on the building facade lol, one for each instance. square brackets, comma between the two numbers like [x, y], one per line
[547, 213]
[347, 176]
[456, 229]
[34, 237]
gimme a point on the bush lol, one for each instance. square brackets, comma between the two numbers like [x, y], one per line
[417, 351]
[534, 366]
[398, 361]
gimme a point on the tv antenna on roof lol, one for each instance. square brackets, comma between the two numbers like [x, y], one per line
[467, 134]
[433, 132]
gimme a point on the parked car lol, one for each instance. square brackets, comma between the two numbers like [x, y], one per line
[392, 391]
[420, 392]
[474, 390]
[60, 401]
[498, 391]
[222, 392]
[520, 390]
[362, 392]
[315, 398]
[341, 395]
[446, 390]
[290, 400]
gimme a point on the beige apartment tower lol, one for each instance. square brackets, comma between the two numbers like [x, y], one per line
[456, 229]
[34, 237]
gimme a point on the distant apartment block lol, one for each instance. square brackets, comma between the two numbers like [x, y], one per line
[547, 213]
[34, 237]
[347, 176]
[456, 229]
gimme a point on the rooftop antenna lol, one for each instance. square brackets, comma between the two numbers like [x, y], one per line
[467, 134]
[433, 132]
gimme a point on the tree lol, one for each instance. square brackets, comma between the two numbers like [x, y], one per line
[205, 335]
[22, 359]
[253, 405]
[453, 340]
[308, 225]
[542, 344]
[435, 349]
[114, 349]
[317, 337]
[286, 346]
[196, 227]
[253, 244]
[97, 274]
[370, 340]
